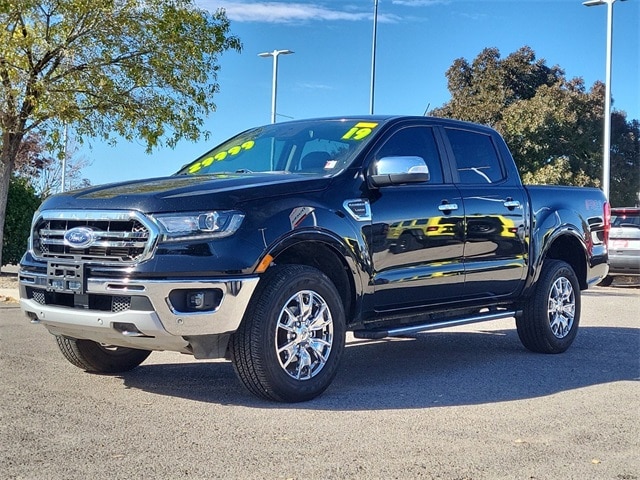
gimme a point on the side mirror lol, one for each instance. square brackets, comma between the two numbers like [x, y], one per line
[397, 171]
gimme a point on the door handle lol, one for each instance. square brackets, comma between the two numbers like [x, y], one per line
[511, 204]
[448, 207]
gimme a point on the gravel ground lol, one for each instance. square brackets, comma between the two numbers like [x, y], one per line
[8, 280]
[8, 284]
[467, 403]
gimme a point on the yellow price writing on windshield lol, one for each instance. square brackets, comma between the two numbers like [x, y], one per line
[235, 150]
[360, 131]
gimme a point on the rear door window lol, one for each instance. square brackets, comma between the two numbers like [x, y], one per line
[476, 157]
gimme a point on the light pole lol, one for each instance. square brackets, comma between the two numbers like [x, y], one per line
[606, 148]
[65, 143]
[373, 55]
[274, 88]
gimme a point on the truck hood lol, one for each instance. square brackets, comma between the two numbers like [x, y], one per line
[187, 193]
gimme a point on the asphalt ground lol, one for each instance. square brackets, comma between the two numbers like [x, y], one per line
[464, 403]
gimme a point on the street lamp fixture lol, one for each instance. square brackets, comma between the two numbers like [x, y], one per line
[274, 88]
[606, 148]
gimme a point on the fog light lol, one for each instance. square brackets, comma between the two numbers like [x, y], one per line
[204, 300]
[196, 300]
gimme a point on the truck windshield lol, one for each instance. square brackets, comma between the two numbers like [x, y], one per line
[320, 147]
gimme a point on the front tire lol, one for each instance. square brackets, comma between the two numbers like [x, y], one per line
[97, 358]
[292, 336]
[550, 317]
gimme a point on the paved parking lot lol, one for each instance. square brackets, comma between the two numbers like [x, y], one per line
[462, 403]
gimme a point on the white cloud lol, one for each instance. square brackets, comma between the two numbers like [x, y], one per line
[281, 12]
[314, 86]
[473, 16]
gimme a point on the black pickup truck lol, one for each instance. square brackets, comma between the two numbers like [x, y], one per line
[268, 248]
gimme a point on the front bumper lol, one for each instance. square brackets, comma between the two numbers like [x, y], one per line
[149, 319]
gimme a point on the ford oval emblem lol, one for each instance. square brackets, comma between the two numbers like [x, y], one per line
[79, 237]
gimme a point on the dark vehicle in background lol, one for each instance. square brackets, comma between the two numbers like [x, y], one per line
[624, 244]
[267, 249]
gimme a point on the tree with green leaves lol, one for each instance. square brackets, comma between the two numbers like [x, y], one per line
[481, 90]
[143, 69]
[22, 203]
[625, 161]
[552, 125]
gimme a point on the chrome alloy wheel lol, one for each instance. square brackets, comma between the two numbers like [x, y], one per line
[562, 307]
[304, 335]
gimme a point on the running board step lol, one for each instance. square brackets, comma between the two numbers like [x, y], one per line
[410, 329]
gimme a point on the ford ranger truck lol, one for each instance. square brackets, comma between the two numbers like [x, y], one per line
[268, 248]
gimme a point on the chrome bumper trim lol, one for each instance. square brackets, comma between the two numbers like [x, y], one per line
[99, 326]
[225, 318]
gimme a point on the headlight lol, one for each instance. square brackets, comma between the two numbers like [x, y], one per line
[198, 225]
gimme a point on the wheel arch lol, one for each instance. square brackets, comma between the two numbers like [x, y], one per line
[570, 248]
[331, 257]
[559, 234]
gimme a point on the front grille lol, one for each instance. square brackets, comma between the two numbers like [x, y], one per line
[115, 237]
[103, 303]
[120, 304]
[39, 296]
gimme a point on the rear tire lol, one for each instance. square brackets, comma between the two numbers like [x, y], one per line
[292, 336]
[550, 317]
[97, 358]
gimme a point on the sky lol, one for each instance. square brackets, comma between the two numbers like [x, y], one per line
[329, 73]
